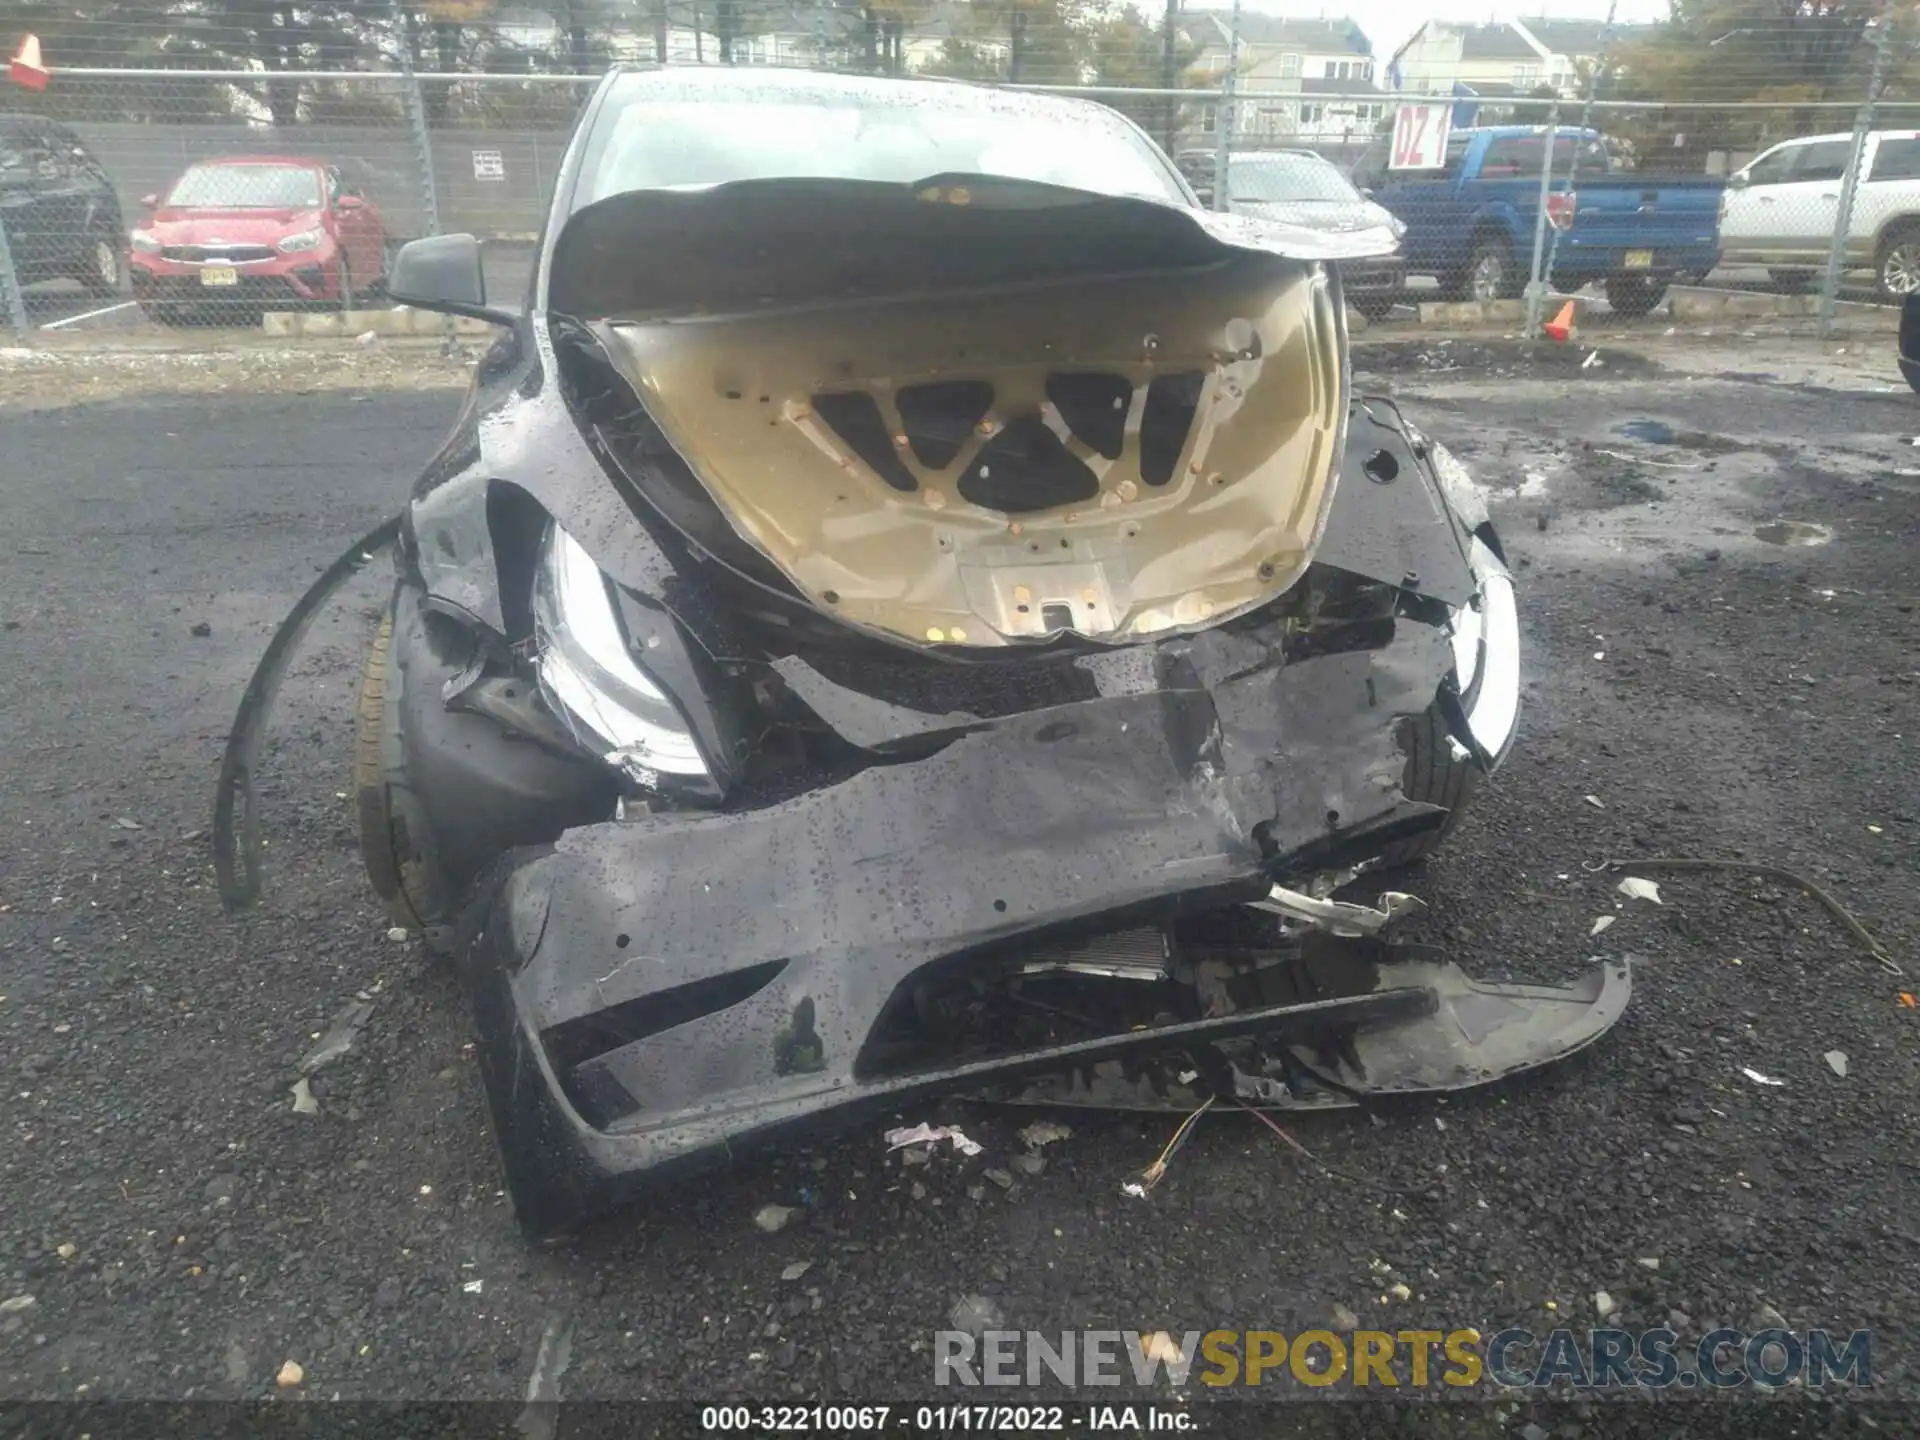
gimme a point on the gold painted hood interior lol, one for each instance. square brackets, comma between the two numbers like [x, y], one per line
[1118, 456]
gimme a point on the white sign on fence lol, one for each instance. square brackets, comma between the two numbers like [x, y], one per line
[489, 165]
[1420, 137]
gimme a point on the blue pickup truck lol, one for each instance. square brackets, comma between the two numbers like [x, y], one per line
[1471, 224]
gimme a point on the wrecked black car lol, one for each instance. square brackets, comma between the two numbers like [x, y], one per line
[913, 604]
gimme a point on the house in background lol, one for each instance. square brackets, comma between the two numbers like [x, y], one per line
[1309, 81]
[1503, 59]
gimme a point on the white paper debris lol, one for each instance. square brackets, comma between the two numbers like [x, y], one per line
[474, 1287]
[1135, 1189]
[303, 1101]
[796, 1270]
[1758, 1078]
[1160, 1346]
[924, 1134]
[1836, 1062]
[1600, 922]
[1592, 359]
[772, 1217]
[1634, 888]
[1594, 801]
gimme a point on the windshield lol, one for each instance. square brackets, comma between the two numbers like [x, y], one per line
[247, 187]
[1289, 178]
[648, 140]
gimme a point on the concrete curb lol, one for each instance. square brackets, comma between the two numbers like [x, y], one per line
[333, 324]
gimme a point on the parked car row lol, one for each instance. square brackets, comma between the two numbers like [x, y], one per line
[237, 233]
[1470, 223]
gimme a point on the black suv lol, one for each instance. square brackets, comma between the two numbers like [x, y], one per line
[60, 211]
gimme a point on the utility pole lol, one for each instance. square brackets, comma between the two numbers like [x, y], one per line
[660, 33]
[1543, 283]
[1225, 117]
[1850, 183]
[1170, 71]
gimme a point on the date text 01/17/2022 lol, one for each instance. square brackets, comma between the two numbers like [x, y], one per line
[942, 1419]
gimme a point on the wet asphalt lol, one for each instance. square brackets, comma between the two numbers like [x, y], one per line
[1693, 690]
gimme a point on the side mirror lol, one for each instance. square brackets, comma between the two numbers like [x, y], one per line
[1366, 192]
[1738, 180]
[443, 273]
[349, 202]
[149, 202]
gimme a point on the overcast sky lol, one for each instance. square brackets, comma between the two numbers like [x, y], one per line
[1389, 22]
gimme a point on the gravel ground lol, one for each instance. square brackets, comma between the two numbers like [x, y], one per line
[1694, 690]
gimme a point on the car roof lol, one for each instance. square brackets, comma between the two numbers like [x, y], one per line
[302, 162]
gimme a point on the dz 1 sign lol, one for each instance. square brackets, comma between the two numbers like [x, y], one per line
[489, 165]
[1420, 137]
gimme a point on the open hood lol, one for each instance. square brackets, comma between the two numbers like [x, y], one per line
[979, 412]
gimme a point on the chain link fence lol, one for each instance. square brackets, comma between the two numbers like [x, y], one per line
[179, 195]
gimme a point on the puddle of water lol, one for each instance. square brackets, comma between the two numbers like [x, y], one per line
[1792, 532]
[1654, 432]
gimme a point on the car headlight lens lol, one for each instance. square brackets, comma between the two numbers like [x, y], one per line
[145, 243]
[588, 676]
[303, 240]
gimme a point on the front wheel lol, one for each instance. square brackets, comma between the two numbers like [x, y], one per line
[1490, 273]
[1635, 294]
[1436, 775]
[103, 272]
[392, 834]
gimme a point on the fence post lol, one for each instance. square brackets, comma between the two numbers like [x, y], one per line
[1850, 183]
[10, 287]
[1537, 286]
[417, 123]
[1225, 116]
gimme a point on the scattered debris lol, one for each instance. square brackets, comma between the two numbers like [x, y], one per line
[1439, 1124]
[1002, 1178]
[1135, 1189]
[367, 339]
[66, 1250]
[1593, 359]
[1758, 1078]
[1836, 1062]
[1399, 1291]
[541, 1419]
[1343, 1318]
[1786, 877]
[924, 1134]
[290, 1376]
[303, 1101]
[339, 1036]
[1594, 800]
[1042, 1133]
[1648, 1262]
[397, 934]
[18, 1305]
[1154, 1173]
[1600, 922]
[201, 630]
[1603, 1304]
[1634, 888]
[796, 1270]
[474, 1287]
[771, 1218]
[976, 1314]
[125, 824]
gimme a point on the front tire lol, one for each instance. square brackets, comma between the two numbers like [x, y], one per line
[1635, 294]
[1490, 273]
[1435, 777]
[391, 828]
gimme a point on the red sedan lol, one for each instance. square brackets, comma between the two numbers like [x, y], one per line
[256, 233]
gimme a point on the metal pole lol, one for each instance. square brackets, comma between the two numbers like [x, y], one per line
[1850, 183]
[1169, 72]
[417, 123]
[1579, 136]
[1225, 117]
[1537, 287]
[10, 287]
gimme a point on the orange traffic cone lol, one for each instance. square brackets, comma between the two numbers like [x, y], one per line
[26, 68]
[1560, 328]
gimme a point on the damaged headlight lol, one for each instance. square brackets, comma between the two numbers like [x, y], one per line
[588, 675]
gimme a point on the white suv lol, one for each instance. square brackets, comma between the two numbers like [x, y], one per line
[1780, 210]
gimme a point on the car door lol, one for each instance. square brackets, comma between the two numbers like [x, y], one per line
[1889, 190]
[1750, 224]
[1809, 203]
[26, 170]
